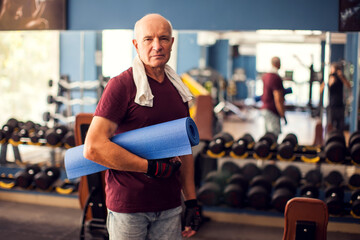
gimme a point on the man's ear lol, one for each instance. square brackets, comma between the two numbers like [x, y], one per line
[135, 44]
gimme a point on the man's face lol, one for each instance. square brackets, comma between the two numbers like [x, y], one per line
[153, 42]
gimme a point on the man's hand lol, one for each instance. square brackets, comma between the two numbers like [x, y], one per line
[163, 168]
[192, 218]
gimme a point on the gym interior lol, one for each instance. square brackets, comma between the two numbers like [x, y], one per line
[304, 184]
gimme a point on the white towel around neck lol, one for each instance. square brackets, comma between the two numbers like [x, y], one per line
[144, 95]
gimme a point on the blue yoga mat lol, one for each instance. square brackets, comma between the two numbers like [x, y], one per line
[164, 140]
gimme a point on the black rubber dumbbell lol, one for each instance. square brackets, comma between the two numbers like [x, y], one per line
[334, 198]
[313, 181]
[2, 137]
[69, 139]
[24, 179]
[293, 172]
[250, 170]
[11, 126]
[44, 179]
[287, 148]
[335, 147]
[242, 146]
[235, 190]
[7, 181]
[259, 192]
[55, 135]
[220, 144]
[355, 203]
[272, 172]
[68, 186]
[211, 192]
[354, 147]
[230, 168]
[284, 189]
[27, 128]
[263, 148]
[40, 133]
[334, 178]
[314, 177]
[354, 181]
[309, 190]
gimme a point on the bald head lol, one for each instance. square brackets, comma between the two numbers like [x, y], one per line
[275, 62]
[149, 19]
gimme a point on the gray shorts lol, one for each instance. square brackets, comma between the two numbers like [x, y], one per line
[272, 122]
[140, 226]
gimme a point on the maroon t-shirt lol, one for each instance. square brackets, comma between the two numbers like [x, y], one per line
[130, 192]
[271, 81]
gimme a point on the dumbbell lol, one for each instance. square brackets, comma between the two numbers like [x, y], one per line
[334, 198]
[210, 193]
[355, 203]
[44, 179]
[309, 190]
[234, 192]
[230, 168]
[242, 146]
[313, 179]
[28, 128]
[69, 139]
[25, 178]
[293, 172]
[259, 192]
[55, 135]
[7, 181]
[11, 126]
[285, 188]
[334, 178]
[263, 147]
[2, 137]
[38, 134]
[250, 170]
[220, 144]
[24, 131]
[272, 172]
[58, 117]
[68, 186]
[354, 181]
[287, 148]
[354, 147]
[335, 147]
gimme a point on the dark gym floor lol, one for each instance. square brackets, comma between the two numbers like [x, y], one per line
[20, 221]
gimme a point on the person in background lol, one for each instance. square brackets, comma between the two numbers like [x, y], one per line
[144, 197]
[336, 107]
[273, 108]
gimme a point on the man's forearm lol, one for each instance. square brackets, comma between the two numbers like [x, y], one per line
[187, 177]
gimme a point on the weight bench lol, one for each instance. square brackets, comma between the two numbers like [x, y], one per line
[305, 219]
[91, 189]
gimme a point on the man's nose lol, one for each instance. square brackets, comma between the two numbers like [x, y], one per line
[157, 45]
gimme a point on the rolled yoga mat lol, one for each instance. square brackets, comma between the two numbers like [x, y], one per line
[164, 140]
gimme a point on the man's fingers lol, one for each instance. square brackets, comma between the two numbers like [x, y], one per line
[188, 232]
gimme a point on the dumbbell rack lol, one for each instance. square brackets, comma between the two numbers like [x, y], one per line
[64, 99]
[271, 217]
[61, 101]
